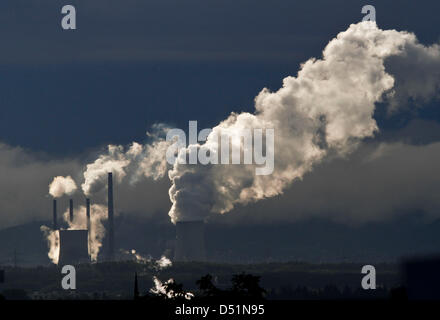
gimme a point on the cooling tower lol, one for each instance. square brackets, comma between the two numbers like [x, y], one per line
[73, 247]
[190, 241]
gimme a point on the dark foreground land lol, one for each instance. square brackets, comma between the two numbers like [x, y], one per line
[103, 281]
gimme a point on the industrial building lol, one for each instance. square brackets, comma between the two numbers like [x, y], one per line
[73, 247]
[190, 241]
[73, 244]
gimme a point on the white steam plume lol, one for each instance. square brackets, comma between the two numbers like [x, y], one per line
[134, 163]
[327, 109]
[159, 264]
[98, 214]
[163, 262]
[161, 289]
[62, 186]
[53, 243]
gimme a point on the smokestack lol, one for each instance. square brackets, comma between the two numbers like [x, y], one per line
[71, 210]
[190, 241]
[55, 225]
[88, 220]
[110, 217]
[88, 213]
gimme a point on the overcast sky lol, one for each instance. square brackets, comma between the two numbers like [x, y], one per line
[64, 95]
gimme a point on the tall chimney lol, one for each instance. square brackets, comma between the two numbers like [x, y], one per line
[71, 210]
[88, 220]
[55, 225]
[110, 217]
[88, 213]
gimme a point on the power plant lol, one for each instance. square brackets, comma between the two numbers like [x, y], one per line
[75, 245]
[190, 241]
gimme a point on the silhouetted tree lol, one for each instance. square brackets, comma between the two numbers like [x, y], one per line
[330, 292]
[173, 291]
[136, 287]
[247, 285]
[206, 287]
[303, 293]
[15, 294]
[347, 293]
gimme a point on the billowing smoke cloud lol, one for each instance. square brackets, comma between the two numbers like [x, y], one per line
[62, 186]
[416, 71]
[136, 162]
[379, 182]
[327, 109]
[53, 243]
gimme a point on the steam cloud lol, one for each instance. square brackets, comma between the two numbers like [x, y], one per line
[53, 243]
[62, 186]
[326, 110]
[136, 162]
[323, 112]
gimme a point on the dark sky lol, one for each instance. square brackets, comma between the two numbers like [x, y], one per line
[131, 63]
